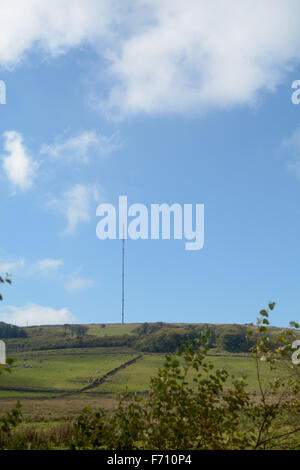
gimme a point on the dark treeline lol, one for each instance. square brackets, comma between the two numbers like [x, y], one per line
[78, 331]
[11, 331]
[156, 337]
[162, 337]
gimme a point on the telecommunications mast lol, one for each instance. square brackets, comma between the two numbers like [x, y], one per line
[123, 272]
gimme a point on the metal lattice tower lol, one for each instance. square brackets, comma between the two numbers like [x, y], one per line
[123, 276]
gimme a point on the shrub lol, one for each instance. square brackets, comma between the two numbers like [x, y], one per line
[192, 405]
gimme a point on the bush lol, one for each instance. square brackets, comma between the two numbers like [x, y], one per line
[235, 342]
[192, 405]
[179, 413]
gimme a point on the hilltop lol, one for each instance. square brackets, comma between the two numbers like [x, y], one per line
[156, 337]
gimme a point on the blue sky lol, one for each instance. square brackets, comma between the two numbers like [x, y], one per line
[164, 103]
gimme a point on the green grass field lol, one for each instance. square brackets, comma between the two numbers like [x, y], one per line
[47, 373]
[63, 370]
[136, 378]
[71, 369]
[112, 329]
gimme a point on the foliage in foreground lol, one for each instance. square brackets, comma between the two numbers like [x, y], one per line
[193, 405]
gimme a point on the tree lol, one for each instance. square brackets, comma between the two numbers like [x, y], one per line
[3, 280]
[192, 405]
[80, 331]
[235, 342]
[5, 367]
[13, 418]
[276, 410]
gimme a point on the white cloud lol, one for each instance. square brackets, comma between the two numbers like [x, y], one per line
[75, 205]
[77, 148]
[292, 144]
[33, 314]
[198, 54]
[51, 26]
[18, 165]
[164, 56]
[78, 284]
[26, 268]
[11, 266]
[47, 266]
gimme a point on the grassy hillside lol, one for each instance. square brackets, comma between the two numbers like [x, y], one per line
[51, 373]
[63, 370]
[54, 364]
[116, 329]
[146, 337]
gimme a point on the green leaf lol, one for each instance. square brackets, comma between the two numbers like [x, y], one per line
[264, 313]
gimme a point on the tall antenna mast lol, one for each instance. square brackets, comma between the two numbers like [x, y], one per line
[123, 264]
